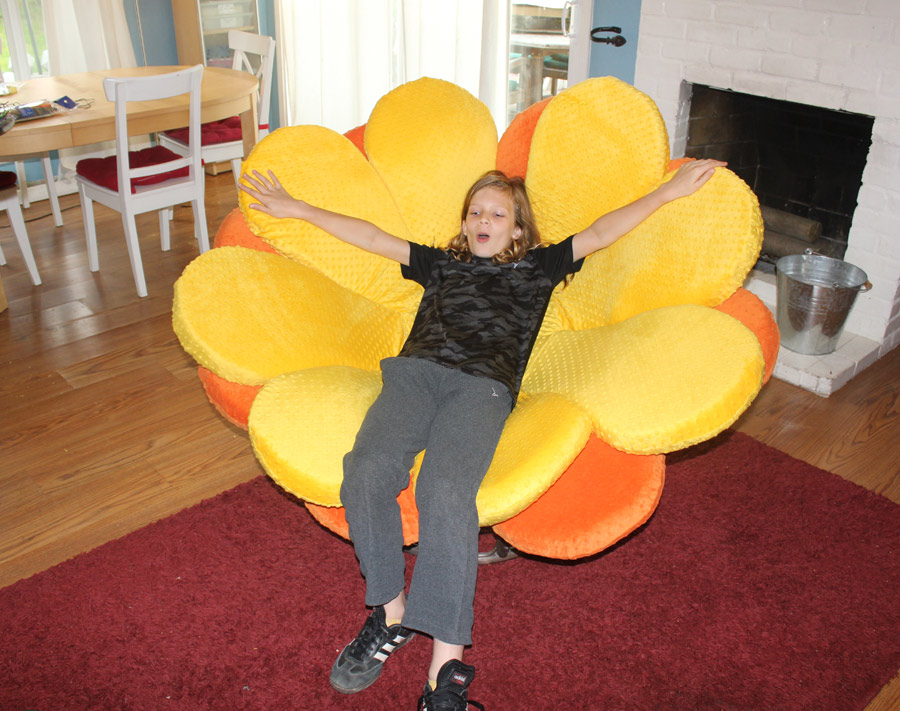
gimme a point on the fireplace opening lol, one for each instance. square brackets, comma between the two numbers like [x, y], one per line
[805, 164]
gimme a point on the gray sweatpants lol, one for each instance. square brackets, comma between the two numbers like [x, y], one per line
[457, 419]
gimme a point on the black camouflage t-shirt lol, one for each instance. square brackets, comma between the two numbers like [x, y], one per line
[481, 317]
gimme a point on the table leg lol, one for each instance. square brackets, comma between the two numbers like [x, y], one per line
[250, 127]
[534, 77]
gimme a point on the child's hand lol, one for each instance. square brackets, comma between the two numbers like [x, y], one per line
[691, 176]
[272, 198]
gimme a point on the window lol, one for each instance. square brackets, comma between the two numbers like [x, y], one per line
[538, 51]
[23, 42]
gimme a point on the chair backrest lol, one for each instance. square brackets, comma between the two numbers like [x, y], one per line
[121, 90]
[244, 43]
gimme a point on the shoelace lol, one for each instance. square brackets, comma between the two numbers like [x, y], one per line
[367, 641]
[446, 700]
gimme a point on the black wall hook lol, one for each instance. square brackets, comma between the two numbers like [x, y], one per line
[616, 41]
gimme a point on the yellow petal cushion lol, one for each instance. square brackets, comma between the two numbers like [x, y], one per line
[249, 316]
[302, 424]
[660, 381]
[542, 436]
[324, 168]
[597, 146]
[411, 186]
[614, 146]
[429, 178]
[697, 249]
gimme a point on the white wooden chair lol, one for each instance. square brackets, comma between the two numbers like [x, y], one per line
[9, 201]
[222, 140]
[154, 178]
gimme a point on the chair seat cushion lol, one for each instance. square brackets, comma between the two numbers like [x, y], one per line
[224, 131]
[7, 179]
[102, 171]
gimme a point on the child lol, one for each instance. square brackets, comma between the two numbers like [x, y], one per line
[448, 392]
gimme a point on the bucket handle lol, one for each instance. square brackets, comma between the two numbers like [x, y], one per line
[863, 288]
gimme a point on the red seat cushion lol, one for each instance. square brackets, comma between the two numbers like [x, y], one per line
[224, 131]
[7, 179]
[103, 170]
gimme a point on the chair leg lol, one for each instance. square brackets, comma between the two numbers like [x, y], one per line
[200, 228]
[18, 227]
[23, 184]
[165, 239]
[501, 551]
[236, 166]
[134, 252]
[90, 231]
[51, 190]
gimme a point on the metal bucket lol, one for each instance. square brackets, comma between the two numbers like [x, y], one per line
[814, 295]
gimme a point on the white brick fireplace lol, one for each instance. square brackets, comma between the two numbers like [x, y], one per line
[836, 54]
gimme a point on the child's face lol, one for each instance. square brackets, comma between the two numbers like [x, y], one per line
[490, 224]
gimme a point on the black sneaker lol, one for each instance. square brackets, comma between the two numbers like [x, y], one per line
[359, 663]
[451, 692]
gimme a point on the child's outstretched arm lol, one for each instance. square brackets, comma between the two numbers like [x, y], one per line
[608, 228]
[274, 200]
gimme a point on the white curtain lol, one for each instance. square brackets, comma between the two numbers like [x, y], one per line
[338, 57]
[87, 35]
[83, 36]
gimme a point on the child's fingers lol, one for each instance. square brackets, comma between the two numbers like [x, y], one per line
[704, 177]
[275, 180]
[711, 166]
[250, 191]
[259, 176]
[252, 181]
[261, 182]
[704, 167]
[694, 175]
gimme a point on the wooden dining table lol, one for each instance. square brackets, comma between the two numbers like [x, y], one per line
[534, 47]
[224, 93]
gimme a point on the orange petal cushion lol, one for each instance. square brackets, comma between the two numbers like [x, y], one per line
[604, 495]
[747, 308]
[515, 144]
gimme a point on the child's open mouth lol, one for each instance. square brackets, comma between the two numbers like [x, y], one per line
[482, 237]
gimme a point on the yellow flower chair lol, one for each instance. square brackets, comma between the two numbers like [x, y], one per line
[653, 347]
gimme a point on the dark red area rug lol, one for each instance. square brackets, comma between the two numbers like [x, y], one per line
[761, 583]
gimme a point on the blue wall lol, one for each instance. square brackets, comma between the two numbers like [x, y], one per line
[607, 60]
[154, 19]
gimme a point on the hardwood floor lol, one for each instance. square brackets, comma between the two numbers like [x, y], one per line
[105, 427]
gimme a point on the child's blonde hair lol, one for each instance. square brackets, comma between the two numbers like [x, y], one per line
[529, 237]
